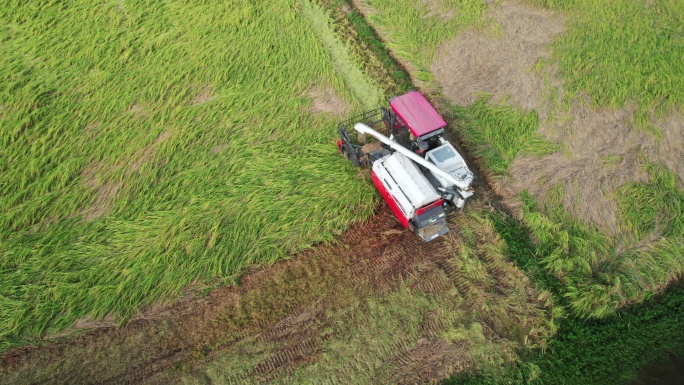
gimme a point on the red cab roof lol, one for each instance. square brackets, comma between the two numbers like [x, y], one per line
[418, 114]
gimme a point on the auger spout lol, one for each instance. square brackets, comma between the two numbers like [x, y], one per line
[364, 129]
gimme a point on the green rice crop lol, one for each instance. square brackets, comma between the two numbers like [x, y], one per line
[498, 133]
[369, 94]
[623, 52]
[601, 274]
[413, 31]
[655, 206]
[151, 146]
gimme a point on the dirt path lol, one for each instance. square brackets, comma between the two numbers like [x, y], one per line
[296, 309]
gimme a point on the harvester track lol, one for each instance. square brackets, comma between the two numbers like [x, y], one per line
[373, 257]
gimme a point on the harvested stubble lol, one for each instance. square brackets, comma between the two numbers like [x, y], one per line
[151, 146]
[615, 68]
[390, 323]
[499, 62]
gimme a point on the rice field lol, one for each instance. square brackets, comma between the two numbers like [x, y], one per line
[152, 149]
[623, 53]
[603, 206]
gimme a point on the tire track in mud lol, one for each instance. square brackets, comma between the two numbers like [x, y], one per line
[371, 258]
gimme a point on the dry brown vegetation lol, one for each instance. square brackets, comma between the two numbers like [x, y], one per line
[667, 150]
[324, 100]
[594, 171]
[381, 306]
[602, 154]
[500, 62]
[603, 151]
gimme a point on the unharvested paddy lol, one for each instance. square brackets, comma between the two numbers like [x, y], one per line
[151, 147]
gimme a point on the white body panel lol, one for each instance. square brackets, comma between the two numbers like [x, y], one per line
[393, 188]
[411, 181]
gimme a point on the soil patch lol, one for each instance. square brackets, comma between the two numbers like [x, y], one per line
[501, 64]
[204, 96]
[668, 149]
[104, 192]
[283, 317]
[602, 154]
[324, 100]
[139, 110]
[218, 148]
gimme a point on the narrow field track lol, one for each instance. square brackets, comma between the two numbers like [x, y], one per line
[372, 258]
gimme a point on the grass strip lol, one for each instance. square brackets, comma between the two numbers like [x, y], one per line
[367, 46]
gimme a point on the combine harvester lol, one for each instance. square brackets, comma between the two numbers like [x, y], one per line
[418, 172]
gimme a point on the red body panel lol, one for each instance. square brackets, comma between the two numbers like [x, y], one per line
[418, 114]
[432, 205]
[390, 201]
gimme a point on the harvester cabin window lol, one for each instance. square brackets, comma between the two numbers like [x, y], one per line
[442, 155]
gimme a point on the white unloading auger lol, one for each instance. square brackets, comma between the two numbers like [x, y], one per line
[364, 129]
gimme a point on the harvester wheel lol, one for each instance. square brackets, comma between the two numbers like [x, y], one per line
[352, 156]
